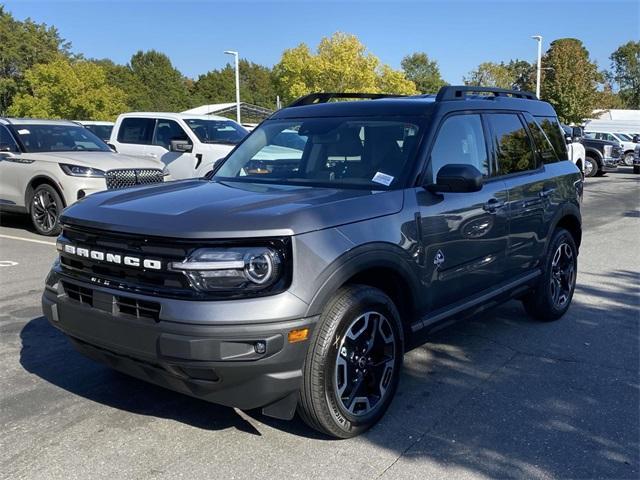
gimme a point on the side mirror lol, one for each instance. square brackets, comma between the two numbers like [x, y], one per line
[112, 147]
[181, 146]
[577, 133]
[6, 150]
[568, 139]
[636, 139]
[459, 178]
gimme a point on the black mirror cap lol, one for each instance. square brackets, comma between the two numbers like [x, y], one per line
[112, 147]
[457, 178]
[635, 139]
[181, 146]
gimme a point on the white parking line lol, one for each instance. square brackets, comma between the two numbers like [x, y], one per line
[32, 240]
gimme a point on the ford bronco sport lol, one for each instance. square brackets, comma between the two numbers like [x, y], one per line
[297, 282]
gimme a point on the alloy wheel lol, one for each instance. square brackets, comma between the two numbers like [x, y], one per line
[44, 210]
[365, 364]
[563, 275]
[588, 167]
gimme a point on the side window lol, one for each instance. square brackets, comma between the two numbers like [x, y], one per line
[7, 144]
[460, 140]
[168, 130]
[556, 135]
[513, 146]
[136, 130]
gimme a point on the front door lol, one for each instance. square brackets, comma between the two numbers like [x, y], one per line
[464, 234]
[180, 164]
[12, 166]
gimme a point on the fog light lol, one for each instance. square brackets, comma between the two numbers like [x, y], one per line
[260, 347]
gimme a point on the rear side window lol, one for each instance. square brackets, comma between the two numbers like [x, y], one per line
[513, 146]
[136, 130]
[542, 143]
[460, 140]
[7, 144]
[166, 131]
[552, 128]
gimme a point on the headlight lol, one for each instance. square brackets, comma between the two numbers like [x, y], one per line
[227, 269]
[78, 171]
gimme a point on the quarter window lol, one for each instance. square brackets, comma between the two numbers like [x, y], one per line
[513, 146]
[166, 131]
[542, 143]
[460, 140]
[555, 134]
[136, 130]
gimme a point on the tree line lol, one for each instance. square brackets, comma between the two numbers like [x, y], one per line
[40, 76]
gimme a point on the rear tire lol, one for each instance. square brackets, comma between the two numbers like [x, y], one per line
[352, 368]
[552, 296]
[45, 207]
[590, 167]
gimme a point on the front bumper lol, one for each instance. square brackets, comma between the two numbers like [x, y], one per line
[610, 164]
[217, 363]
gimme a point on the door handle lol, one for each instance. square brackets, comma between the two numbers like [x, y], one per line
[492, 205]
[546, 193]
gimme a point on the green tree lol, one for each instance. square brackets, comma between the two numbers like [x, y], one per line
[523, 75]
[256, 85]
[490, 74]
[23, 45]
[423, 71]
[570, 80]
[155, 84]
[625, 65]
[340, 64]
[65, 89]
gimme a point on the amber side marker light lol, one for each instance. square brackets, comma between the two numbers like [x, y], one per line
[298, 335]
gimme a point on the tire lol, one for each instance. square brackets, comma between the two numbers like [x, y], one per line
[45, 207]
[545, 302]
[590, 167]
[636, 169]
[628, 159]
[335, 394]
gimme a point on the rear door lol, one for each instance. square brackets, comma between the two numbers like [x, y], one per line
[531, 189]
[134, 135]
[464, 234]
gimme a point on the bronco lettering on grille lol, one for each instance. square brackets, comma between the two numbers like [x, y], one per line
[118, 259]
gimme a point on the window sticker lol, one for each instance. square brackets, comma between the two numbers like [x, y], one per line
[24, 131]
[382, 178]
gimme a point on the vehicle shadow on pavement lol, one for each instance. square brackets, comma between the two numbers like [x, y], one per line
[47, 353]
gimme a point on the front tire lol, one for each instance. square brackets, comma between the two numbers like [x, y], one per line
[590, 167]
[552, 296]
[352, 368]
[628, 159]
[45, 207]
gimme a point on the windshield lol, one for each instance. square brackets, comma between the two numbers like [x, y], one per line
[333, 152]
[217, 131]
[624, 137]
[59, 138]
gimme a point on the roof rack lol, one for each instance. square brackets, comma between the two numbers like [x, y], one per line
[460, 92]
[324, 97]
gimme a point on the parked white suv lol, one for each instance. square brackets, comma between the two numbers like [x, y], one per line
[624, 139]
[46, 165]
[188, 145]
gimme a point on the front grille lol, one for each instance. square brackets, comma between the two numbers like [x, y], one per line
[616, 152]
[131, 177]
[138, 308]
[79, 294]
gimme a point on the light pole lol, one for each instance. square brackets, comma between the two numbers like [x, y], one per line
[539, 69]
[235, 54]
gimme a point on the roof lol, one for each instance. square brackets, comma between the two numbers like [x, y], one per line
[32, 121]
[247, 109]
[174, 115]
[617, 115]
[209, 109]
[93, 122]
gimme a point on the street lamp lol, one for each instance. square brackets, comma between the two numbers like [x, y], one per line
[235, 54]
[539, 69]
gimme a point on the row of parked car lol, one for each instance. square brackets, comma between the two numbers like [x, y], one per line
[46, 165]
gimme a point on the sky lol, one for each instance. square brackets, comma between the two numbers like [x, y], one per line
[459, 35]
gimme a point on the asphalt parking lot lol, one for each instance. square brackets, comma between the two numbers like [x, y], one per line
[497, 396]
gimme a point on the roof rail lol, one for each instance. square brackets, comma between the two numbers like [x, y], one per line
[460, 92]
[324, 97]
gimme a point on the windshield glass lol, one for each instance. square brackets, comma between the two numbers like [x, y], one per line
[333, 152]
[217, 131]
[624, 137]
[59, 138]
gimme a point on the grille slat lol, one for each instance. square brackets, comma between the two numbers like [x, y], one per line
[138, 308]
[124, 178]
[79, 294]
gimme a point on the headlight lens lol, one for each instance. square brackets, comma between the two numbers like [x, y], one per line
[79, 171]
[224, 269]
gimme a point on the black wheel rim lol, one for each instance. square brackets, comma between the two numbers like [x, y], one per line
[365, 364]
[44, 210]
[563, 275]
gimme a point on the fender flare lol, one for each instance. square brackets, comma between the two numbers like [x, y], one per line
[47, 179]
[568, 210]
[359, 259]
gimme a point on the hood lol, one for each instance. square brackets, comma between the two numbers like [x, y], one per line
[100, 160]
[206, 209]
[217, 148]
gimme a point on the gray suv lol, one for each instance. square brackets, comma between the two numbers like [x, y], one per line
[295, 278]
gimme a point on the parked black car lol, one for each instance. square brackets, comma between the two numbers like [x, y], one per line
[602, 156]
[298, 281]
